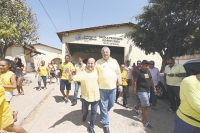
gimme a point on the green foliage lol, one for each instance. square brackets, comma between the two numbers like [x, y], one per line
[169, 27]
[18, 25]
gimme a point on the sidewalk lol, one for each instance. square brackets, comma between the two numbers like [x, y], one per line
[25, 104]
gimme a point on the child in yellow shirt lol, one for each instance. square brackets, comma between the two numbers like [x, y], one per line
[124, 85]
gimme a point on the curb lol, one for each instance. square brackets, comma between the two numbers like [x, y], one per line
[25, 113]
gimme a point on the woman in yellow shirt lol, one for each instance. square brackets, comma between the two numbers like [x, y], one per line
[8, 80]
[43, 73]
[6, 115]
[53, 74]
[124, 85]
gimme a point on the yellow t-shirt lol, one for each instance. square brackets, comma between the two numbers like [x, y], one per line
[124, 77]
[43, 71]
[6, 114]
[89, 84]
[174, 81]
[63, 66]
[190, 100]
[53, 68]
[108, 71]
[5, 80]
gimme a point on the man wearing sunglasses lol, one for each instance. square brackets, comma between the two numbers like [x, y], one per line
[173, 75]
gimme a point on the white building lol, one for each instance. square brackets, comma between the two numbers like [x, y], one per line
[87, 42]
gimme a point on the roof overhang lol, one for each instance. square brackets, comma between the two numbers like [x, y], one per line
[86, 48]
[60, 34]
[32, 49]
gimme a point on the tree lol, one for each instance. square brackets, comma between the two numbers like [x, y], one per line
[168, 27]
[18, 25]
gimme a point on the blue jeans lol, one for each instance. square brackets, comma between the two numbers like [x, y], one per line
[183, 127]
[77, 85]
[107, 100]
[94, 106]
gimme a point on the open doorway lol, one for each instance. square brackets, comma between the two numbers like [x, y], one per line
[86, 51]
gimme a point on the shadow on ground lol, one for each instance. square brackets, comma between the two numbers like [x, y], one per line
[132, 115]
[59, 99]
[76, 118]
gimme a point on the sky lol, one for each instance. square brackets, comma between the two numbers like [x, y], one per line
[95, 13]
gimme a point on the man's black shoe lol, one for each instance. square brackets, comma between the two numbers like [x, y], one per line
[106, 130]
[84, 117]
[90, 130]
[74, 103]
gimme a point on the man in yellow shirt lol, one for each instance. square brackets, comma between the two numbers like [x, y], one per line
[64, 80]
[109, 76]
[78, 67]
[124, 85]
[6, 116]
[89, 91]
[173, 75]
[187, 117]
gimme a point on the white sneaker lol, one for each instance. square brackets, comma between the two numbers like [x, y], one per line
[137, 110]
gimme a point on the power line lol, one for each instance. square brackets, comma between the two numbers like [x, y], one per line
[69, 13]
[82, 13]
[48, 16]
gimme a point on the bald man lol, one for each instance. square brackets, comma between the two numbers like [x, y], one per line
[89, 91]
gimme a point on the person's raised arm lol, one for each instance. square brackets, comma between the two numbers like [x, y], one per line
[69, 74]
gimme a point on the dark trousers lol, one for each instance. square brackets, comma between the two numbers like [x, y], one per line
[153, 97]
[94, 106]
[173, 95]
[40, 79]
[124, 95]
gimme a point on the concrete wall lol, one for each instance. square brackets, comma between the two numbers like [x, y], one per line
[50, 54]
[14, 51]
[185, 58]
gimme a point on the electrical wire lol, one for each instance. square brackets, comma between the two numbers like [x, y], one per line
[69, 14]
[82, 13]
[48, 16]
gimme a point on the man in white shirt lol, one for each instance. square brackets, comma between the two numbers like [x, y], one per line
[78, 66]
[129, 69]
[156, 79]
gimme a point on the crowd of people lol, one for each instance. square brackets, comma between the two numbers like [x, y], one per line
[101, 83]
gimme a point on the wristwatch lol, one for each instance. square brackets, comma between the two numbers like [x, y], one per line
[120, 84]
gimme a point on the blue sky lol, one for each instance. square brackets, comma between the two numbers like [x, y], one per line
[96, 13]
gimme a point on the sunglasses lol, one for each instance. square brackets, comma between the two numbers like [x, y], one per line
[169, 63]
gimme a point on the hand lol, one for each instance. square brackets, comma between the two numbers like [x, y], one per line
[171, 75]
[82, 68]
[35, 76]
[120, 89]
[68, 72]
[155, 92]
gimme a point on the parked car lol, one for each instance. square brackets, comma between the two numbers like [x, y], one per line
[189, 66]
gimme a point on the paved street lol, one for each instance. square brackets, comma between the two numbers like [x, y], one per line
[52, 115]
